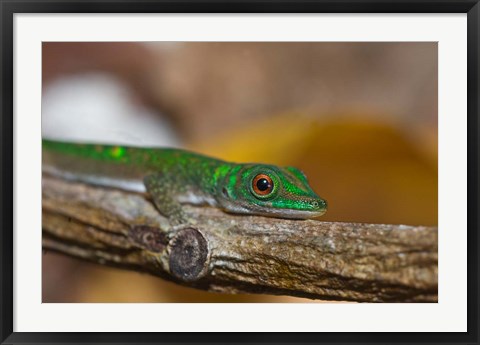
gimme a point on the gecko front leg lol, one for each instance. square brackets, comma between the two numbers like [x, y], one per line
[164, 198]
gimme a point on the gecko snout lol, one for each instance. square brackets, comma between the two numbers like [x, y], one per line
[319, 204]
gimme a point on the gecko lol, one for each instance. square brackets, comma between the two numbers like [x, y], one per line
[173, 177]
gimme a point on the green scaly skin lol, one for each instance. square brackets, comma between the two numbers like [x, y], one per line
[173, 177]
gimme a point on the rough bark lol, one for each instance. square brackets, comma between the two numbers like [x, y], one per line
[231, 253]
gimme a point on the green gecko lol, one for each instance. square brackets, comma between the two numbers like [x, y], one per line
[173, 177]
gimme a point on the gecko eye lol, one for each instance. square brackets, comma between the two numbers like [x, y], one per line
[262, 184]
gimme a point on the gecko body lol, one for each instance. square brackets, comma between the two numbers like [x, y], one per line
[173, 177]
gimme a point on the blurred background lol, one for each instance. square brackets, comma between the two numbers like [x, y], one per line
[360, 119]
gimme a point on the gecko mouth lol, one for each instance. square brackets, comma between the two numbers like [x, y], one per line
[317, 209]
[288, 213]
[293, 214]
[312, 208]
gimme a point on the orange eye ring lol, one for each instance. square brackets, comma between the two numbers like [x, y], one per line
[262, 184]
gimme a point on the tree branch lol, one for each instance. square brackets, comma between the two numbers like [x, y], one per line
[231, 253]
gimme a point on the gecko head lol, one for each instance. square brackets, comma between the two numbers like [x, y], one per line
[269, 190]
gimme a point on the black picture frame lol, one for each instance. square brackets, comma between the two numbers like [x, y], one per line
[10, 7]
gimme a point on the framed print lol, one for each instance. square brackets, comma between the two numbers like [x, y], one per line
[261, 172]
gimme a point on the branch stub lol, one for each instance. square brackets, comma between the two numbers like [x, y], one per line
[188, 254]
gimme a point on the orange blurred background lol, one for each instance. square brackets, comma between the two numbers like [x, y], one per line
[360, 119]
